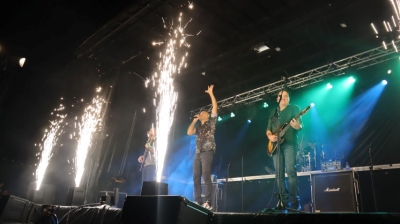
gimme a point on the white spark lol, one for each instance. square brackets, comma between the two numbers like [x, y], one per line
[390, 27]
[167, 97]
[146, 82]
[394, 45]
[49, 141]
[384, 23]
[87, 127]
[395, 9]
[373, 27]
[394, 22]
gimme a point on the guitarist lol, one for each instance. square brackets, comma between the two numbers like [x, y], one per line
[288, 149]
[147, 160]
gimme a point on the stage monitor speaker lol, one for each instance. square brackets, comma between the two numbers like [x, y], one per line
[75, 196]
[14, 209]
[154, 188]
[45, 195]
[334, 192]
[163, 209]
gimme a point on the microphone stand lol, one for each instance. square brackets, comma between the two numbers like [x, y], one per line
[280, 205]
[226, 185]
[371, 168]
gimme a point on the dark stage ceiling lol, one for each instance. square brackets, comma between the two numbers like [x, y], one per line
[308, 33]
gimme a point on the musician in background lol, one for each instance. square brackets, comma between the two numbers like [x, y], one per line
[288, 149]
[148, 160]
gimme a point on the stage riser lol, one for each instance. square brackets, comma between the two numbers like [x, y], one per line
[255, 195]
[386, 184]
[221, 218]
[163, 210]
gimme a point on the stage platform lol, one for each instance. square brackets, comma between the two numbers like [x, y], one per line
[171, 210]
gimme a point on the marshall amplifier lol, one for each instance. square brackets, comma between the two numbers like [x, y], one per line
[334, 192]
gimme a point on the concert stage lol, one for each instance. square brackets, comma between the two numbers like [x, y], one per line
[357, 195]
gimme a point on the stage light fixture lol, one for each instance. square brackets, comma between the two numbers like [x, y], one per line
[261, 47]
[389, 71]
[219, 118]
[265, 105]
[312, 104]
[384, 82]
[351, 79]
[248, 121]
[329, 86]
[232, 114]
[22, 62]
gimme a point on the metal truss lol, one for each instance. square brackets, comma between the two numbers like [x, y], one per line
[337, 68]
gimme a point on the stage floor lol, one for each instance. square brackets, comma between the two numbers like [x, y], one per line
[170, 210]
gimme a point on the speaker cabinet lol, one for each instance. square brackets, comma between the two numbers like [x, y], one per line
[334, 192]
[163, 209]
[14, 209]
[75, 196]
[256, 195]
[154, 188]
[45, 195]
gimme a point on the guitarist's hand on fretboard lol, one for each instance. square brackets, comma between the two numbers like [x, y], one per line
[295, 124]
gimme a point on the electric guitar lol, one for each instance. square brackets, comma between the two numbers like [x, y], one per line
[282, 130]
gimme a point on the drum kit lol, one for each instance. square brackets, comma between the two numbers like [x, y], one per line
[312, 156]
[306, 158]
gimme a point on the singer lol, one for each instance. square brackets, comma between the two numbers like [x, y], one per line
[205, 149]
[147, 160]
[288, 150]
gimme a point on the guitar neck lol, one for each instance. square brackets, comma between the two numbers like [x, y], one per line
[286, 126]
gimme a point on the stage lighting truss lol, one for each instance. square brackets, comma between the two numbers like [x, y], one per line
[337, 68]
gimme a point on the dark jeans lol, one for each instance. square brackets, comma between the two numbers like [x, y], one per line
[288, 160]
[202, 167]
[148, 173]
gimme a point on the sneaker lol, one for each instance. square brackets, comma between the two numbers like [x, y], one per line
[207, 205]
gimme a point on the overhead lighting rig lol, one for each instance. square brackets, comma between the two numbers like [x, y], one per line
[359, 61]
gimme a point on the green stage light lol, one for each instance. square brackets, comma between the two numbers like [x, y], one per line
[329, 86]
[265, 105]
[232, 114]
[389, 71]
[351, 80]
[219, 118]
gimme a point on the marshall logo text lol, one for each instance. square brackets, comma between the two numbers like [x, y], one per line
[332, 189]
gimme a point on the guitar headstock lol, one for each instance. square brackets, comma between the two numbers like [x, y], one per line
[305, 110]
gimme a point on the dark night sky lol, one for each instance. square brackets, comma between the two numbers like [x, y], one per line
[47, 33]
